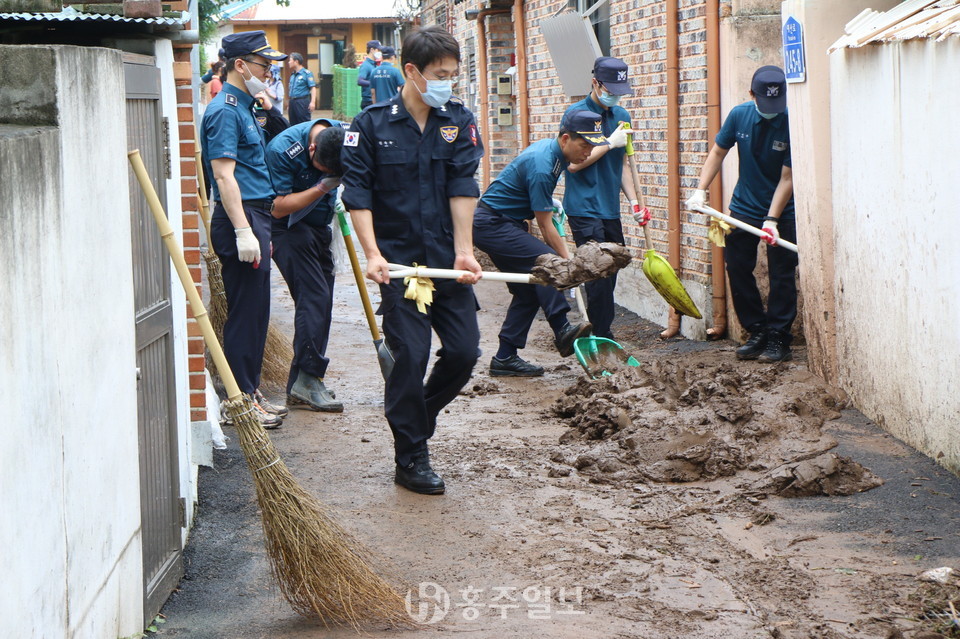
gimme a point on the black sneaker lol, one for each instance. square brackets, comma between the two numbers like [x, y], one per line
[418, 477]
[778, 348]
[756, 344]
[513, 366]
[570, 333]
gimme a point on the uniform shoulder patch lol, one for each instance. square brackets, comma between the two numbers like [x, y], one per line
[473, 134]
[449, 133]
[351, 138]
[294, 150]
[230, 99]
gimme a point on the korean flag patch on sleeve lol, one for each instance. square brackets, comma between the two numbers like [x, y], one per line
[351, 138]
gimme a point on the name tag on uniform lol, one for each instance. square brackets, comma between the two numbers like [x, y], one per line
[352, 138]
[449, 133]
[780, 145]
[295, 149]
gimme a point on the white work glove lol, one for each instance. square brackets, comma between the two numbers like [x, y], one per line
[640, 214]
[698, 199]
[328, 184]
[248, 246]
[618, 139]
[772, 234]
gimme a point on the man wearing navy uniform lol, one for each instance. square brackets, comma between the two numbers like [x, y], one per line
[234, 152]
[386, 79]
[367, 67]
[524, 191]
[592, 195]
[302, 90]
[762, 198]
[305, 165]
[409, 184]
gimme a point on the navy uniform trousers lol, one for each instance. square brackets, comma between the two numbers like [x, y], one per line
[411, 407]
[600, 304]
[741, 259]
[247, 290]
[298, 109]
[303, 255]
[514, 250]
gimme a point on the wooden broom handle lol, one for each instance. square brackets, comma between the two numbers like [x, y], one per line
[189, 286]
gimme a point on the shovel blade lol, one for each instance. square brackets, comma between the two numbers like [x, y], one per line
[385, 358]
[665, 280]
[598, 355]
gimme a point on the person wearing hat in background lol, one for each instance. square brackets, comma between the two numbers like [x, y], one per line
[305, 166]
[303, 90]
[233, 152]
[524, 191]
[591, 196]
[374, 55]
[275, 86]
[409, 182]
[762, 198]
[386, 79]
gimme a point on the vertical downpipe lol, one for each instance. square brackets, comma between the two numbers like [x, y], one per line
[718, 277]
[520, 41]
[484, 116]
[673, 152]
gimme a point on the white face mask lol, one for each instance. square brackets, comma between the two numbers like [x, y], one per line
[254, 84]
[766, 116]
[377, 56]
[437, 93]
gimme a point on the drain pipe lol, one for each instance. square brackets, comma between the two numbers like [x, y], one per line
[484, 116]
[718, 277]
[673, 153]
[523, 100]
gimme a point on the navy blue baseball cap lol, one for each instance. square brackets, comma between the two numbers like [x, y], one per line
[769, 86]
[244, 43]
[612, 74]
[586, 124]
[374, 44]
[388, 52]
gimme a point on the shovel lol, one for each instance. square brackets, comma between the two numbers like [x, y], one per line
[656, 268]
[399, 270]
[597, 354]
[384, 355]
[790, 246]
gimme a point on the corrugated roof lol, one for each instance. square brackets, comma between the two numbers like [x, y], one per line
[303, 10]
[913, 19]
[69, 14]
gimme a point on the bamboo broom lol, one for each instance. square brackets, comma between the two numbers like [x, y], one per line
[322, 570]
[277, 352]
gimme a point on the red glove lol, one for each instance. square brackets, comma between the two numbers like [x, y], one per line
[771, 233]
[641, 215]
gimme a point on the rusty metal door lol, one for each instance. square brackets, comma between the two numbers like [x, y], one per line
[161, 509]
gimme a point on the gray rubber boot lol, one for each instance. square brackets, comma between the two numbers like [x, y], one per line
[310, 391]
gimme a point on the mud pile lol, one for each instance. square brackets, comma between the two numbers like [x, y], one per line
[591, 261]
[683, 421]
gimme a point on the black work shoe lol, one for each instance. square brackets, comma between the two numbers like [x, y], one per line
[756, 344]
[570, 333]
[310, 391]
[418, 476]
[513, 366]
[778, 348]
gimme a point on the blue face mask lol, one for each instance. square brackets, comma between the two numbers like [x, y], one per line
[766, 116]
[608, 100]
[438, 92]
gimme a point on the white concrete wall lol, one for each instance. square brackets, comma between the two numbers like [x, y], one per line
[69, 479]
[895, 168]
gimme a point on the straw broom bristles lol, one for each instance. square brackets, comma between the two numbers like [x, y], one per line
[322, 570]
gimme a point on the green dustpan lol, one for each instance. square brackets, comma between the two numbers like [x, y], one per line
[597, 354]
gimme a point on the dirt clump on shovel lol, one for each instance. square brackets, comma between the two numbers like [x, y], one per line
[674, 421]
[591, 261]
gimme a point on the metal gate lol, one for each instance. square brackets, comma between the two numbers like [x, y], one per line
[161, 509]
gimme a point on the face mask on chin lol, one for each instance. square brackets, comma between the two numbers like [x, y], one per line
[254, 84]
[438, 92]
[765, 116]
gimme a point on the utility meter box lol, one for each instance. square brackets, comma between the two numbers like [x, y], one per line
[505, 116]
[504, 84]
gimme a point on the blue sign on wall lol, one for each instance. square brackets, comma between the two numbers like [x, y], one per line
[794, 61]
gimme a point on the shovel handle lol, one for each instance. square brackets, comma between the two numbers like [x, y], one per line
[399, 270]
[636, 182]
[790, 246]
[358, 276]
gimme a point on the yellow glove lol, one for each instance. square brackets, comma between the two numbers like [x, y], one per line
[420, 290]
[718, 232]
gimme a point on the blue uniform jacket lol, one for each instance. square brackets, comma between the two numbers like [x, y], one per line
[595, 191]
[363, 77]
[406, 178]
[230, 131]
[301, 82]
[292, 171]
[526, 185]
[385, 80]
[764, 149]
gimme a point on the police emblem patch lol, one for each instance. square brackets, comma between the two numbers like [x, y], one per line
[230, 99]
[352, 138]
[261, 119]
[449, 133]
[295, 149]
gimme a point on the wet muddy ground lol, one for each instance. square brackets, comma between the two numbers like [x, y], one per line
[691, 496]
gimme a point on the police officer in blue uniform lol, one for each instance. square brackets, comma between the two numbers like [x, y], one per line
[386, 79]
[305, 165]
[409, 184]
[302, 90]
[592, 194]
[367, 67]
[234, 153]
[524, 191]
[762, 198]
